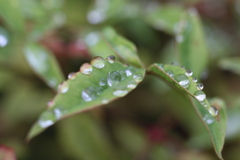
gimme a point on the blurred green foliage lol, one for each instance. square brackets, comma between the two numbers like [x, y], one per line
[152, 122]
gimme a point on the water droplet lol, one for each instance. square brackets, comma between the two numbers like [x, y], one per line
[138, 77]
[170, 73]
[113, 78]
[98, 62]
[63, 87]
[123, 75]
[209, 120]
[189, 72]
[105, 101]
[58, 113]
[200, 95]
[183, 80]
[72, 75]
[99, 90]
[86, 68]
[200, 86]
[111, 59]
[102, 82]
[120, 93]
[50, 104]
[195, 79]
[3, 37]
[47, 119]
[160, 65]
[89, 94]
[128, 72]
[131, 86]
[213, 111]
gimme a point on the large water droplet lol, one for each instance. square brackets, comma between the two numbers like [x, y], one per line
[72, 75]
[213, 111]
[111, 59]
[113, 78]
[120, 93]
[99, 90]
[102, 82]
[63, 87]
[123, 75]
[138, 77]
[208, 119]
[86, 68]
[183, 80]
[195, 79]
[200, 95]
[89, 94]
[47, 119]
[160, 65]
[98, 62]
[189, 72]
[170, 73]
[200, 86]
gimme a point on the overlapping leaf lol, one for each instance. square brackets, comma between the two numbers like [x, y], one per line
[214, 117]
[108, 42]
[97, 84]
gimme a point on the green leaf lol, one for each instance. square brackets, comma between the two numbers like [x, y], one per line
[108, 42]
[44, 64]
[231, 64]
[96, 84]
[83, 137]
[11, 12]
[191, 43]
[213, 116]
[164, 17]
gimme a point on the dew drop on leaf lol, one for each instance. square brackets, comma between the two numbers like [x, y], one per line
[111, 59]
[58, 113]
[195, 79]
[63, 87]
[123, 75]
[208, 119]
[72, 75]
[86, 68]
[120, 93]
[189, 72]
[89, 94]
[113, 78]
[131, 86]
[46, 120]
[200, 95]
[170, 73]
[183, 80]
[213, 111]
[98, 62]
[138, 77]
[200, 86]
[160, 65]
[102, 82]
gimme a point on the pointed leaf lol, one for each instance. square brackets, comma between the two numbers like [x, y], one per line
[110, 43]
[213, 116]
[191, 43]
[95, 85]
[44, 64]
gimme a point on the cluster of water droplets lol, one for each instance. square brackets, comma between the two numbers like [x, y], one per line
[185, 81]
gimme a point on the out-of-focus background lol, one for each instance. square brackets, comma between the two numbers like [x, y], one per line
[153, 122]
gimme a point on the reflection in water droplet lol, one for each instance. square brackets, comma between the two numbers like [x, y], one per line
[89, 94]
[131, 86]
[200, 95]
[111, 59]
[102, 82]
[183, 80]
[170, 73]
[86, 68]
[105, 101]
[128, 72]
[63, 87]
[72, 75]
[123, 75]
[120, 93]
[50, 104]
[58, 113]
[200, 86]
[98, 62]
[47, 119]
[189, 72]
[160, 65]
[113, 78]
[209, 120]
[195, 79]
[95, 16]
[213, 111]
[138, 77]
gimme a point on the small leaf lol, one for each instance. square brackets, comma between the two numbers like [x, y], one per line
[164, 17]
[231, 63]
[96, 84]
[191, 43]
[214, 117]
[11, 12]
[44, 64]
[110, 43]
